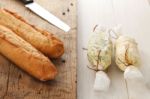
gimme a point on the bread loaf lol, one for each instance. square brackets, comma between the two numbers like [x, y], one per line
[40, 39]
[25, 56]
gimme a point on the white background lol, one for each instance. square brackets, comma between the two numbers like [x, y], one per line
[134, 15]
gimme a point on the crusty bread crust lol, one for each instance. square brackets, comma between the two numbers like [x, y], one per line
[25, 56]
[40, 39]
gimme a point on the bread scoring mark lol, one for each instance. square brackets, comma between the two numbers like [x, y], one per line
[15, 41]
[3, 37]
[44, 32]
[48, 39]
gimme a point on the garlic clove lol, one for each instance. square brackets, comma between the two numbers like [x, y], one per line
[102, 81]
[132, 72]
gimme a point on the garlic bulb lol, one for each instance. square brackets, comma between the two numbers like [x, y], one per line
[99, 55]
[127, 57]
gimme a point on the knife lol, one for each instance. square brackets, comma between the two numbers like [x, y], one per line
[43, 13]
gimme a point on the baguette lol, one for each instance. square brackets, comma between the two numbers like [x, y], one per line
[40, 39]
[25, 55]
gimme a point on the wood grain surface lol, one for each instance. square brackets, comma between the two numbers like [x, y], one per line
[15, 83]
[134, 16]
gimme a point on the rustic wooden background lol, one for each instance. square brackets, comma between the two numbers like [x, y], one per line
[16, 84]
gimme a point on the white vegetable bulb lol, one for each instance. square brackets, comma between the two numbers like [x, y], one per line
[99, 55]
[132, 72]
[102, 81]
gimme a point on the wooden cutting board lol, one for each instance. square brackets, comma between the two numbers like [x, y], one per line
[17, 84]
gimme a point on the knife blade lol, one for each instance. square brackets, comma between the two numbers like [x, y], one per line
[43, 13]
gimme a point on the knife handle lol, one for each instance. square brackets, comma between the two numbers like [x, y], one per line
[27, 1]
